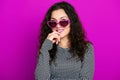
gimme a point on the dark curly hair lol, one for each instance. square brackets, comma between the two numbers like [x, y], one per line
[78, 42]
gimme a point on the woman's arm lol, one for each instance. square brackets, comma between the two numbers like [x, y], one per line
[42, 71]
[87, 70]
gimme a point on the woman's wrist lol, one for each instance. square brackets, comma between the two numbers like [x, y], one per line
[47, 44]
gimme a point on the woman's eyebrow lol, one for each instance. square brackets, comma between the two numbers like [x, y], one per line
[63, 17]
[53, 18]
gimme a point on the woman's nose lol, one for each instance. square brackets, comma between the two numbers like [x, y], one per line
[58, 25]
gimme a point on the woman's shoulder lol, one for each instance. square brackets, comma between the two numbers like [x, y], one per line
[90, 48]
[90, 45]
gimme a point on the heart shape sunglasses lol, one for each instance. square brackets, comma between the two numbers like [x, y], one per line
[62, 23]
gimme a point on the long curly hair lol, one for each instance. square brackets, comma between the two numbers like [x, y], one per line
[77, 38]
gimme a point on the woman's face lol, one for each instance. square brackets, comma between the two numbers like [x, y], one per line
[60, 15]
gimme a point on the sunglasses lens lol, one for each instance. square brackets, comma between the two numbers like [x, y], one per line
[52, 24]
[64, 23]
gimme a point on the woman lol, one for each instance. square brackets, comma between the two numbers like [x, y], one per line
[65, 54]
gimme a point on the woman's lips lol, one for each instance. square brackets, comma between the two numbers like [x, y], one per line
[60, 30]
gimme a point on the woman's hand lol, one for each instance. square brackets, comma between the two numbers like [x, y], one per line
[54, 37]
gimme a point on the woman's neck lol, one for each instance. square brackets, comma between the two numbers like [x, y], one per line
[64, 43]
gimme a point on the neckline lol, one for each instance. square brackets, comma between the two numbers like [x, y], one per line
[63, 48]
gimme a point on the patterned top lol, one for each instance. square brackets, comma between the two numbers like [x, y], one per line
[65, 67]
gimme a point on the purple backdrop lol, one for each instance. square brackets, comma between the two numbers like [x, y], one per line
[19, 30]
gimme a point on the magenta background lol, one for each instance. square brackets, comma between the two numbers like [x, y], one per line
[19, 29]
